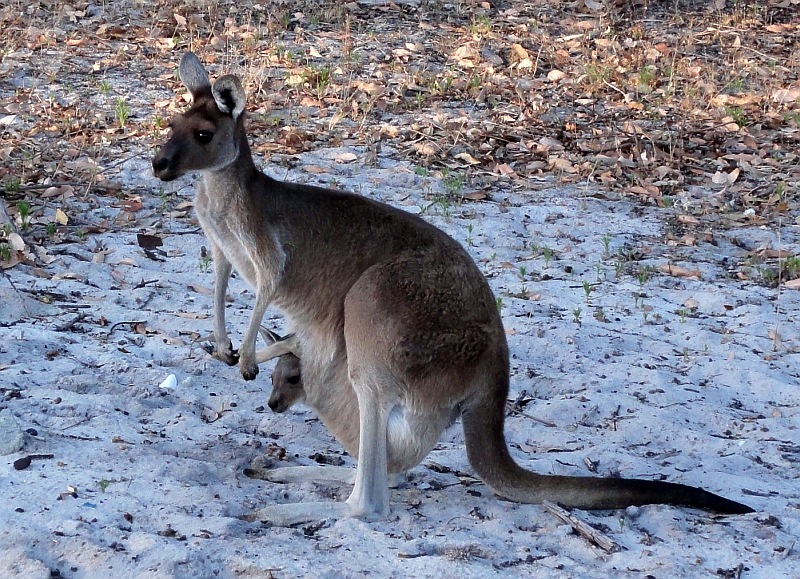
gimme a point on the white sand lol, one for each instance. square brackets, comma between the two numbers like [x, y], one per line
[708, 399]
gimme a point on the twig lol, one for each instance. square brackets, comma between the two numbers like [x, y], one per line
[766, 56]
[585, 530]
[18, 292]
[512, 408]
[611, 86]
[122, 161]
[788, 550]
[65, 184]
[131, 322]
[68, 325]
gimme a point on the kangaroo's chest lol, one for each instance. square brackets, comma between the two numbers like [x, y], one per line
[223, 228]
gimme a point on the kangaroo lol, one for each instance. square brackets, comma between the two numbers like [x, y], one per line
[287, 381]
[397, 329]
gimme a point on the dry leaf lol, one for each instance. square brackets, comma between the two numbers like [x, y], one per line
[62, 191]
[467, 158]
[16, 242]
[477, 195]
[465, 52]
[507, 170]
[315, 169]
[688, 219]
[69, 275]
[148, 241]
[44, 257]
[520, 51]
[556, 75]
[190, 315]
[201, 289]
[346, 158]
[208, 415]
[596, 6]
[426, 148]
[560, 164]
[785, 96]
[61, 217]
[99, 257]
[678, 271]
[550, 143]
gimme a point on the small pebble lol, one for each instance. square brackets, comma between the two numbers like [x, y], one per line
[22, 463]
[633, 512]
[169, 382]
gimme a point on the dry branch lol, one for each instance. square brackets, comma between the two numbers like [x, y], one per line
[585, 530]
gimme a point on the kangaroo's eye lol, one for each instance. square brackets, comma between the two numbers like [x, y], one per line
[203, 137]
[293, 379]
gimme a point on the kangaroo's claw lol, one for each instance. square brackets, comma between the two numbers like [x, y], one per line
[228, 355]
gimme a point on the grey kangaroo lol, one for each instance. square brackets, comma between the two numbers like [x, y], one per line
[397, 329]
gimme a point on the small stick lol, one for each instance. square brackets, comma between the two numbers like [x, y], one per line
[588, 532]
[512, 408]
[133, 322]
[63, 327]
[65, 184]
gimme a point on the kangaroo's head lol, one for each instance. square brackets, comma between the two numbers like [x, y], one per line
[207, 137]
[287, 384]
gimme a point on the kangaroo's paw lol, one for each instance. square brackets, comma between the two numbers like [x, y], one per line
[299, 474]
[227, 354]
[298, 513]
[249, 370]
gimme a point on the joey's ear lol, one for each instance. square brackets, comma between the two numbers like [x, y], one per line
[193, 75]
[229, 94]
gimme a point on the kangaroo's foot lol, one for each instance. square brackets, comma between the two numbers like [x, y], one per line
[226, 354]
[292, 514]
[323, 474]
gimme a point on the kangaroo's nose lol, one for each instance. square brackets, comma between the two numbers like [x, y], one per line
[160, 164]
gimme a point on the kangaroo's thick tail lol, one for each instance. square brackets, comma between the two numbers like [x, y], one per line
[483, 416]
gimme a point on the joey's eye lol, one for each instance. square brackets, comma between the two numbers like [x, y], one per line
[203, 137]
[293, 379]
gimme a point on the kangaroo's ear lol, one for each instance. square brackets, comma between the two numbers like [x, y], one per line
[193, 75]
[229, 94]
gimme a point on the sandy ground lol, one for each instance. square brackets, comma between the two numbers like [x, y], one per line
[651, 375]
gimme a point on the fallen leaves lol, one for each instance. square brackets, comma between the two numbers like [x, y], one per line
[678, 271]
[701, 114]
[786, 95]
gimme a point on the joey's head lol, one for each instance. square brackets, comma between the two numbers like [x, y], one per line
[207, 137]
[287, 384]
